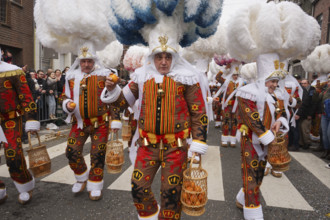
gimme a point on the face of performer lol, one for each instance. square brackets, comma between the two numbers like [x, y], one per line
[163, 62]
[271, 85]
[235, 76]
[87, 65]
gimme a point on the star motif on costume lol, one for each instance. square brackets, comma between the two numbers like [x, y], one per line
[194, 107]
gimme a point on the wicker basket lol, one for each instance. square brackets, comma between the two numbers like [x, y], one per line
[39, 161]
[114, 158]
[126, 132]
[194, 190]
[278, 155]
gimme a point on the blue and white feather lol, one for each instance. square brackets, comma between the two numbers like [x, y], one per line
[193, 19]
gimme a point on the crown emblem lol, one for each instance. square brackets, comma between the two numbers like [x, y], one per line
[163, 44]
[84, 51]
[279, 72]
[163, 41]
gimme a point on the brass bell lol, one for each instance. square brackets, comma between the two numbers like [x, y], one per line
[145, 142]
[180, 144]
[160, 92]
[278, 110]
[96, 124]
[107, 118]
[161, 144]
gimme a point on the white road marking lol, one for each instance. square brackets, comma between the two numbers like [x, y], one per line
[314, 165]
[212, 164]
[279, 192]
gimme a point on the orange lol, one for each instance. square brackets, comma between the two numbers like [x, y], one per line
[114, 78]
[72, 104]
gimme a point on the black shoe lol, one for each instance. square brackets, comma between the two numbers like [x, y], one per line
[292, 148]
[305, 147]
[325, 154]
[318, 149]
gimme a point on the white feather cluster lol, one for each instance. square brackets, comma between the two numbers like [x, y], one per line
[65, 25]
[319, 60]
[134, 57]
[249, 71]
[214, 69]
[207, 47]
[111, 55]
[133, 20]
[261, 28]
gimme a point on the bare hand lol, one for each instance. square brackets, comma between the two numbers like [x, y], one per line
[296, 117]
[276, 126]
[110, 84]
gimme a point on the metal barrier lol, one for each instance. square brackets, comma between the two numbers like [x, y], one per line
[43, 109]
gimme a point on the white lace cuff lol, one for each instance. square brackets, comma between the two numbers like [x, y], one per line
[198, 147]
[110, 96]
[116, 124]
[267, 137]
[293, 104]
[32, 125]
[65, 102]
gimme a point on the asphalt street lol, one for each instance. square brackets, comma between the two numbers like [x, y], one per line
[308, 181]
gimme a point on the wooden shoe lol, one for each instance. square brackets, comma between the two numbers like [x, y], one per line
[224, 144]
[23, 202]
[239, 205]
[277, 175]
[96, 197]
[76, 189]
[3, 200]
[232, 145]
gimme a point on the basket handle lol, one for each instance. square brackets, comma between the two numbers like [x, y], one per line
[192, 159]
[112, 135]
[29, 138]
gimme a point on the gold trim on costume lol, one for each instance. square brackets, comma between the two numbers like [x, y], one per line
[12, 73]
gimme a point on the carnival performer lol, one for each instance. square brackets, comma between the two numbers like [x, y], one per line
[258, 129]
[90, 118]
[262, 105]
[230, 84]
[170, 111]
[16, 102]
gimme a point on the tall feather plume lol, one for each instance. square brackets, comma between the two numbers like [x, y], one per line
[65, 25]
[193, 18]
[260, 28]
[204, 49]
[111, 55]
[249, 71]
[318, 60]
[134, 57]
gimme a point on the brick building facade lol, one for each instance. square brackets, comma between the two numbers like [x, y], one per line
[321, 12]
[17, 30]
